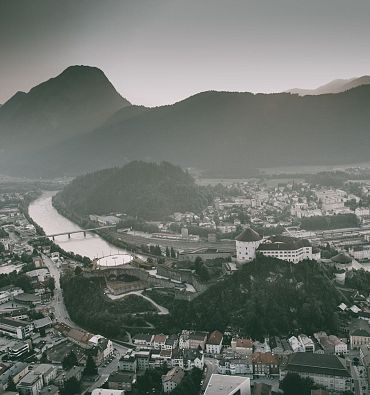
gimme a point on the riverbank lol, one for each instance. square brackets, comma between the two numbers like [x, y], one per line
[85, 223]
[45, 241]
[47, 218]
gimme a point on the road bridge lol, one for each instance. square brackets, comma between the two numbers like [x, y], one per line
[84, 231]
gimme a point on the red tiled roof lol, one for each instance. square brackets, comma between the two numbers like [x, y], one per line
[215, 338]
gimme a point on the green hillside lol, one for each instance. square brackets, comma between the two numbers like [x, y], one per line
[140, 189]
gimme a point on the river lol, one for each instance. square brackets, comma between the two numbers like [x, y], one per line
[44, 214]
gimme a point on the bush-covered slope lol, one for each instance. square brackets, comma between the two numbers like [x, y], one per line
[265, 297]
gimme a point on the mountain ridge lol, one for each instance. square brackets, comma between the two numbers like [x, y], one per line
[335, 86]
[220, 133]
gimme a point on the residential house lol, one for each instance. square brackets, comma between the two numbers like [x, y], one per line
[143, 340]
[242, 346]
[193, 359]
[197, 339]
[265, 364]
[307, 344]
[16, 372]
[331, 344]
[172, 379]
[172, 342]
[63, 376]
[31, 384]
[121, 381]
[359, 333]
[128, 362]
[214, 343]
[236, 366]
[159, 341]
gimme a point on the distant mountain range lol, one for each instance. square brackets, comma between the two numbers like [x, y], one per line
[335, 86]
[77, 122]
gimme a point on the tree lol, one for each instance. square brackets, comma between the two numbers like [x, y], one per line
[293, 384]
[90, 367]
[78, 271]
[71, 387]
[173, 253]
[11, 384]
[24, 282]
[200, 269]
[168, 254]
[44, 358]
[157, 250]
[25, 258]
[50, 283]
[69, 361]
[2, 248]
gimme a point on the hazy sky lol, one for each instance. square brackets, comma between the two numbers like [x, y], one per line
[160, 51]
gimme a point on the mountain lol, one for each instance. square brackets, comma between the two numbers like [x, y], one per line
[76, 101]
[224, 134]
[140, 189]
[335, 86]
[221, 133]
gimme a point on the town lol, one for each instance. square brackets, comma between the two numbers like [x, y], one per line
[45, 351]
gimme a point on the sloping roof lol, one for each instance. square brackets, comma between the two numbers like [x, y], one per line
[175, 374]
[341, 258]
[191, 355]
[326, 364]
[159, 338]
[199, 336]
[215, 338]
[283, 243]
[13, 322]
[143, 337]
[266, 358]
[12, 371]
[359, 327]
[42, 322]
[244, 343]
[249, 235]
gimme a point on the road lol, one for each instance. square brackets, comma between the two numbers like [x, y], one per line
[212, 368]
[60, 311]
[61, 315]
[161, 310]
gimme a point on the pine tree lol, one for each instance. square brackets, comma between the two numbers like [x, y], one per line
[11, 385]
[71, 387]
[90, 368]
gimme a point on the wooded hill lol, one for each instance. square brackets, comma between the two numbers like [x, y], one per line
[139, 189]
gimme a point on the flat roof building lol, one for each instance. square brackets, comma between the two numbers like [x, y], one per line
[228, 385]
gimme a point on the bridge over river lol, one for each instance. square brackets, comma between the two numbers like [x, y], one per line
[69, 233]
